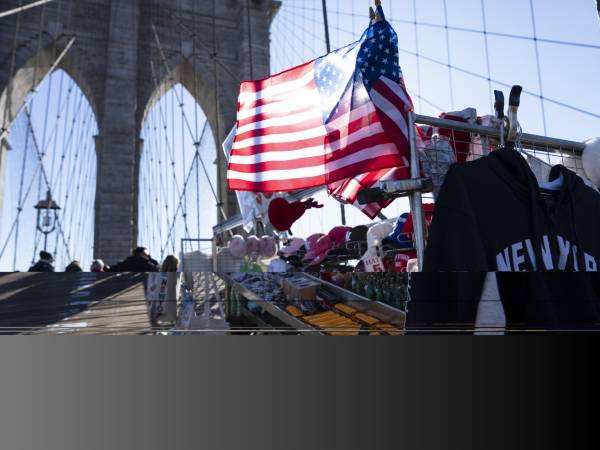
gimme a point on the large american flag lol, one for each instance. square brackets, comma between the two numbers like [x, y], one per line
[332, 119]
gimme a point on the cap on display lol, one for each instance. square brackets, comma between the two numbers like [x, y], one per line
[311, 246]
[252, 246]
[377, 233]
[268, 247]
[324, 245]
[237, 246]
[338, 235]
[277, 265]
[293, 246]
[358, 234]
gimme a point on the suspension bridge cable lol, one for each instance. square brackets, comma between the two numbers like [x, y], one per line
[54, 153]
[217, 114]
[84, 137]
[20, 197]
[44, 175]
[487, 54]
[164, 125]
[482, 77]
[448, 56]
[159, 152]
[471, 30]
[476, 75]
[171, 228]
[417, 53]
[539, 70]
[168, 69]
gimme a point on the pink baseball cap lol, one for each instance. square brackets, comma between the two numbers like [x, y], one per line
[237, 246]
[268, 247]
[252, 246]
[324, 245]
[293, 246]
[338, 235]
[311, 246]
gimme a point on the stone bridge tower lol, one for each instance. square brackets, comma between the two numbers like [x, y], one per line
[125, 54]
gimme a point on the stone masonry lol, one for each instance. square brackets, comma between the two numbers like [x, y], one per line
[208, 45]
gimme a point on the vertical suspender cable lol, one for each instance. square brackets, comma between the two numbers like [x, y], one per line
[448, 56]
[487, 54]
[196, 143]
[328, 48]
[539, 71]
[417, 55]
[220, 204]
[20, 201]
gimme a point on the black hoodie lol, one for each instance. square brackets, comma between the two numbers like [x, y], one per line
[491, 215]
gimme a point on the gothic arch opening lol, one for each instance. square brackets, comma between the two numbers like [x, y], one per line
[52, 150]
[177, 178]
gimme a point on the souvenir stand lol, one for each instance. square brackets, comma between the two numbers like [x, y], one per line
[478, 137]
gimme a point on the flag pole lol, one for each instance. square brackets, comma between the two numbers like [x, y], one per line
[328, 48]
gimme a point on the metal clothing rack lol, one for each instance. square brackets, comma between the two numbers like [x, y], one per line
[568, 151]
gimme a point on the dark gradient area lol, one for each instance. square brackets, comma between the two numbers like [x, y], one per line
[295, 393]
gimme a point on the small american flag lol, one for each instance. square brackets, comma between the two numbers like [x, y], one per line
[332, 119]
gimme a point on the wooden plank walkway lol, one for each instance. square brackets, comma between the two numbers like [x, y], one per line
[68, 303]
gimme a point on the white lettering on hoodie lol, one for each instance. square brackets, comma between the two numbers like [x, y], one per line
[547, 254]
[518, 258]
[513, 257]
[590, 263]
[564, 247]
[503, 261]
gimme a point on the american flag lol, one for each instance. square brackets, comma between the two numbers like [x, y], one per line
[331, 119]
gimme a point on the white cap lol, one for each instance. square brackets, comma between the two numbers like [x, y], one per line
[590, 160]
[377, 233]
[277, 265]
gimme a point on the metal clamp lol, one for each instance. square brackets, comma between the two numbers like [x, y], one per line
[389, 190]
[513, 105]
[509, 124]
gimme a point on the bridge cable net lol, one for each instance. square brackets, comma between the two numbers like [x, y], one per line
[454, 54]
[52, 153]
[177, 193]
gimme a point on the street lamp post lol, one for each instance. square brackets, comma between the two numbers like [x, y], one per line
[47, 216]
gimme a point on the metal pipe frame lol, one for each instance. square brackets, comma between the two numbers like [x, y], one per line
[553, 144]
[415, 197]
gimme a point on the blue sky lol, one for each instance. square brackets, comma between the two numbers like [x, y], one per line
[569, 74]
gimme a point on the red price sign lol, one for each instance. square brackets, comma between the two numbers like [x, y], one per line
[374, 264]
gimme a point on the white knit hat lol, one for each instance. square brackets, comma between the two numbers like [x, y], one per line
[590, 159]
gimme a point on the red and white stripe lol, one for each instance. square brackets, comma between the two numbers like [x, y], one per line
[392, 103]
[281, 143]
